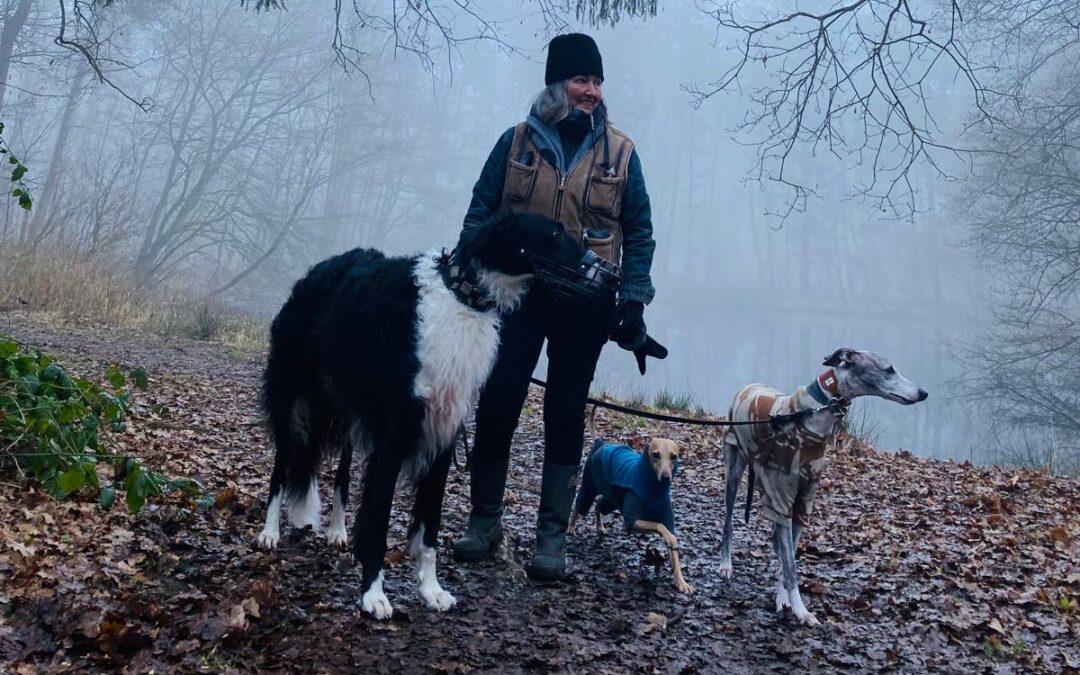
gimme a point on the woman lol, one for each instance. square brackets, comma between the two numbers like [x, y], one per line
[566, 162]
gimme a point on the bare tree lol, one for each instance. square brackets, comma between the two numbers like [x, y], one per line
[873, 82]
[13, 14]
[42, 222]
[1023, 216]
[853, 81]
[220, 115]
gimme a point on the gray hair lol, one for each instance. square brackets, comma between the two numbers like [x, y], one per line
[552, 105]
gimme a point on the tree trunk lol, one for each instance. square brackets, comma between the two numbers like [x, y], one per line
[47, 198]
[13, 23]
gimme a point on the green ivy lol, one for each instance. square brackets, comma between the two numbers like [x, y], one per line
[59, 430]
[18, 170]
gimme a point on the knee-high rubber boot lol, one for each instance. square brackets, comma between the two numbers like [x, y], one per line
[556, 498]
[486, 488]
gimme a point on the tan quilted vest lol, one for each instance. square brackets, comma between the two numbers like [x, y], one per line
[588, 198]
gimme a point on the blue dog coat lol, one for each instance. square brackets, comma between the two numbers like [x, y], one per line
[623, 480]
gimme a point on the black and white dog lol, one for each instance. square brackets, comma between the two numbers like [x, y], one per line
[384, 356]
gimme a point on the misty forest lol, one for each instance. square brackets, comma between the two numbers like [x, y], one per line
[824, 176]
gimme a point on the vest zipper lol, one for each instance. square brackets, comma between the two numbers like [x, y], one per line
[559, 196]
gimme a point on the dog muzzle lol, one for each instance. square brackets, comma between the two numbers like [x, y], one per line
[592, 279]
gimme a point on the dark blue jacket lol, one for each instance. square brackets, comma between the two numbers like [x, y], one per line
[624, 479]
[635, 219]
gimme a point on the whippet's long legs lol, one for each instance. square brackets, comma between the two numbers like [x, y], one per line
[734, 465]
[784, 545]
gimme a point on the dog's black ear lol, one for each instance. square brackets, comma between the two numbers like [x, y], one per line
[479, 237]
[839, 357]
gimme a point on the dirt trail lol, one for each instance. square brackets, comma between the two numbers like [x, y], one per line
[912, 564]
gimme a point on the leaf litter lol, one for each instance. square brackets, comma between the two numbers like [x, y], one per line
[913, 564]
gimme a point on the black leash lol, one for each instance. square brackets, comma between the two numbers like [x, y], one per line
[837, 406]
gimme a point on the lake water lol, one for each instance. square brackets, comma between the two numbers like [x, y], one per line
[715, 351]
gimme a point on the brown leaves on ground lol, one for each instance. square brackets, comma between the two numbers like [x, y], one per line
[912, 564]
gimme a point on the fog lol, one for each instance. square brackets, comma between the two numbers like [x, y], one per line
[260, 155]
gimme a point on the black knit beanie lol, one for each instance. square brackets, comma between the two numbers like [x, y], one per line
[570, 55]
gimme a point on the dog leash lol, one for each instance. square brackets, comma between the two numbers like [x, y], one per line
[837, 406]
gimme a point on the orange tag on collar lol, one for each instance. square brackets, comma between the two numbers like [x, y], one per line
[828, 383]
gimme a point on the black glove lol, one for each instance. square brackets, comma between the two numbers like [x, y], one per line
[628, 330]
[650, 348]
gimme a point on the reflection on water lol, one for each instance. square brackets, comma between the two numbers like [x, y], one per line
[713, 354]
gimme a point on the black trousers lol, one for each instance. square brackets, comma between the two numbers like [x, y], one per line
[575, 334]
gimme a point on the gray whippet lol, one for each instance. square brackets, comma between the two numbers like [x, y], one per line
[787, 456]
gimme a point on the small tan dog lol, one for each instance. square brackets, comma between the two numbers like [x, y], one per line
[635, 483]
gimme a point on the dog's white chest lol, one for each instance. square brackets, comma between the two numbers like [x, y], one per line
[456, 346]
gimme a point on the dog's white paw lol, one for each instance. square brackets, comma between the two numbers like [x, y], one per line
[305, 512]
[436, 598]
[427, 576]
[337, 536]
[271, 532]
[375, 602]
[267, 539]
[725, 570]
[799, 610]
[377, 605]
[782, 599]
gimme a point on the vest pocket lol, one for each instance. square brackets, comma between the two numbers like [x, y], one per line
[601, 242]
[603, 194]
[520, 179]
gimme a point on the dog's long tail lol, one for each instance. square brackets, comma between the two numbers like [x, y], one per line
[749, 491]
[592, 423]
[289, 367]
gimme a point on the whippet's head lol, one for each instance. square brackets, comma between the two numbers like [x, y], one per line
[663, 456]
[862, 373]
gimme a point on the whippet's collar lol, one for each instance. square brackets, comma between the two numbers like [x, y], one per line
[825, 390]
[463, 281]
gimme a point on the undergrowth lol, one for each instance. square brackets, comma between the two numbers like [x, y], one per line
[59, 430]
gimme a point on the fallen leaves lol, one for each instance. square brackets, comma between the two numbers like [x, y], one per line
[653, 621]
[1061, 537]
[916, 565]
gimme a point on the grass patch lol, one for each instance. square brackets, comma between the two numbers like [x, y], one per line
[636, 399]
[669, 400]
[862, 427]
[602, 394]
[65, 283]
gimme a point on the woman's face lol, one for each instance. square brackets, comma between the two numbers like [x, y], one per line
[584, 92]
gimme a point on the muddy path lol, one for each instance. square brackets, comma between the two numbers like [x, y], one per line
[912, 565]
